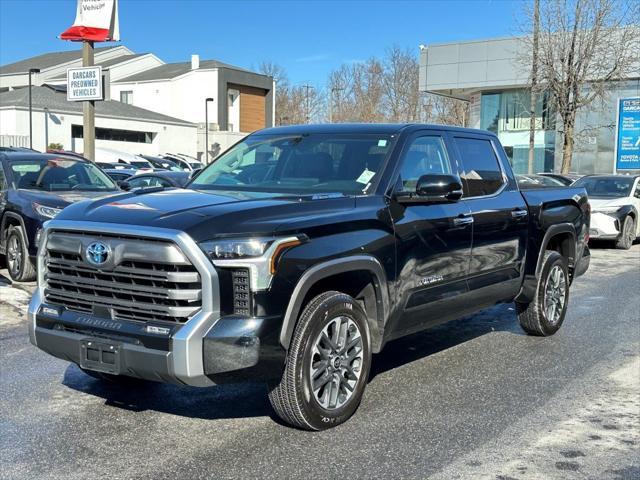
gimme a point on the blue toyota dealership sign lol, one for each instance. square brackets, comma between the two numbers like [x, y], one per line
[628, 141]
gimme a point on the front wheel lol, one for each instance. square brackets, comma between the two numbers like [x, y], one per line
[627, 234]
[545, 314]
[18, 262]
[327, 364]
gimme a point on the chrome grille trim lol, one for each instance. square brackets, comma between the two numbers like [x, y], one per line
[185, 358]
[133, 284]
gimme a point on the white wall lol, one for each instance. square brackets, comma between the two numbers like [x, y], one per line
[56, 128]
[182, 97]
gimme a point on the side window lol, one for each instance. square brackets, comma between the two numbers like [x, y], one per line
[482, 174]
[425, 156]
[3, 183]
[139, 182]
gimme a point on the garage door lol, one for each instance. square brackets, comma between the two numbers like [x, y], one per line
[252, 108]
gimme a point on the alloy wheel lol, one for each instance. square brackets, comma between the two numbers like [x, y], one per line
[14, 256]
[555, 294]
[336, 362]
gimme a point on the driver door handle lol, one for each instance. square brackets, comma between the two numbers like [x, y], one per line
[463, 219]
[519, 213]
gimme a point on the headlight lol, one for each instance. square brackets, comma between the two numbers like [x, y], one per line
[258, 254]
[232, 248]
[607, 209]
[47, 212]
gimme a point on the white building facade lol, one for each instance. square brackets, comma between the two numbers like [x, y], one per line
[241, 100]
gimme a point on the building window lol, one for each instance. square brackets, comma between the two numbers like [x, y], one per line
[126, 96]
[509, 111]
[115, 134]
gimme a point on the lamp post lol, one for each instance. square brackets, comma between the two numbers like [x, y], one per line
[31, 71]
[206, 130]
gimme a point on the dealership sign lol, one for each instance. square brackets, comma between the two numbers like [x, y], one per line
[96, 21]
[84, 84]
[628, 137]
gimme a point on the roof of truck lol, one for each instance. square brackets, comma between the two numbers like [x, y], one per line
[364, 128]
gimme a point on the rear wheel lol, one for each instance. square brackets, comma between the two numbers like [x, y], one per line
[545, 314]
[18, 262]
[327, 365]
[627, 234]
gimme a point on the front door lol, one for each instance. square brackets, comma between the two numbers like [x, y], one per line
[500, 220]
[433, 240]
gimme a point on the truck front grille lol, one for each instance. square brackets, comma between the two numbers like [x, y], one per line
[144, 279]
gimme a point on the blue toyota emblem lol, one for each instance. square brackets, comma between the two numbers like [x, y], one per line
[97, 253]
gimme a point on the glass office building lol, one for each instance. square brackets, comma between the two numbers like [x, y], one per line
[489, 74]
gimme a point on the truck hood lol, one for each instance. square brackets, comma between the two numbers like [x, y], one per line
[205, 214]
[598, 203]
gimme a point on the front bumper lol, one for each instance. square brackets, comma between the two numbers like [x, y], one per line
[604, 227]
[234, 348]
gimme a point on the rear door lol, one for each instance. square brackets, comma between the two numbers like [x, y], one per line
[433, 240]
[500, 218]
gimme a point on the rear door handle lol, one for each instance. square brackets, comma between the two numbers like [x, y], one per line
[518, 213]
[463, 219]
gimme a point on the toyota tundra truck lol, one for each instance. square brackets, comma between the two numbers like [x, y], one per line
[298, 254]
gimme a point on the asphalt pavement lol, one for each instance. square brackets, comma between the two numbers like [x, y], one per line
[475, 398]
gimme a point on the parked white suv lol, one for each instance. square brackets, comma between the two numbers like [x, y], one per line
[109, 155]
[615, 204]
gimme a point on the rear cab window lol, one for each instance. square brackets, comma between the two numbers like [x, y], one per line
[481, 171]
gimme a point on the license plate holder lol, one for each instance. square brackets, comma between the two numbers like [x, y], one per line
[100, 355]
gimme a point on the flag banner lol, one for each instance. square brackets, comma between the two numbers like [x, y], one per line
[96, 21]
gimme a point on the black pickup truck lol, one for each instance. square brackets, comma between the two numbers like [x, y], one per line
[299, 253]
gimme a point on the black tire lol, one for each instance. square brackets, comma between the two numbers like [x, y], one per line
[293, 397]
[533, 316]
[18, 262]
[627, 233]
[111, 379]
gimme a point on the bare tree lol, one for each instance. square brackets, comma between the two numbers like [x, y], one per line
[444, 111]
[294, 104]
[376, 90]
[584, 45]
[401, 100]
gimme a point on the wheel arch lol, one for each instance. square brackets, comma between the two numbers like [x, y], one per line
[562, 239]
[360, 276]
[11, 219]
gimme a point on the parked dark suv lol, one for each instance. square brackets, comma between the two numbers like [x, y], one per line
[35, 187]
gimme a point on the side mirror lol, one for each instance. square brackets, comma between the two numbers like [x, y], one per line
[434, 189]
[124, 185]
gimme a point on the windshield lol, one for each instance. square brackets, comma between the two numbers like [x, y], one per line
[304, 164]
[605, 187]
[59, 174]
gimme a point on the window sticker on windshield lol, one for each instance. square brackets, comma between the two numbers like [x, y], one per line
[26, 167]
[365, 176]
[382, 143]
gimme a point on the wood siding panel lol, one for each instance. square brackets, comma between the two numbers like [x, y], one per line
[252, 108]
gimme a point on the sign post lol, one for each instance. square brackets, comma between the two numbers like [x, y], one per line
[96, 21]
[89, 108]
[628, 135]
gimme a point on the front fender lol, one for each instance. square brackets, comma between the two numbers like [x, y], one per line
[327, 269]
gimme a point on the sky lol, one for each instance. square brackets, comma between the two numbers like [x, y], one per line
[309, 38]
